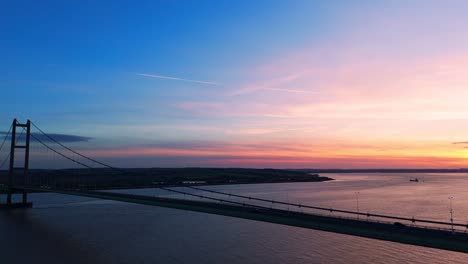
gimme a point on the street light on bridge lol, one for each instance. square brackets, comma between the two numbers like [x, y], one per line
[451, 212]
[357, 203]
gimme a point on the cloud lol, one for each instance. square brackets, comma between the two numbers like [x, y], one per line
[177, 79]
[275, 84]
[286, 90]
[254, 89]
[62, 138]
[462, 142]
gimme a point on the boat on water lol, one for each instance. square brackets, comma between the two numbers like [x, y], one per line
[414, 180]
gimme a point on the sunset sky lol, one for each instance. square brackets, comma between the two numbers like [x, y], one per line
[284, 84]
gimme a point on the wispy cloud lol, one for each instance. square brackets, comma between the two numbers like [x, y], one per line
[177, 79]
[254, 89]
[275, 85]
[64, 138]
[286, 90]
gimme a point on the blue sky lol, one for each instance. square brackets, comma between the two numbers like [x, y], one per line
[247, 76]
[77, 60]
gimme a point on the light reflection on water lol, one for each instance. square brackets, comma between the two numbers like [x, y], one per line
[96, 231]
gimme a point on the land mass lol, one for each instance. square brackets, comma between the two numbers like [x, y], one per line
[149, 177]
[461, 170]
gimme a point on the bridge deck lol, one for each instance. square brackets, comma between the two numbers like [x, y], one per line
[440, 239]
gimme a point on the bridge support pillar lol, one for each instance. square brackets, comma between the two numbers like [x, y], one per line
[12, 182]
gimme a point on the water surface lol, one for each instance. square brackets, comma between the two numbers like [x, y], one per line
[82, 230]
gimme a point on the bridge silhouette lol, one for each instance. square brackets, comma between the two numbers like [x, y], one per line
[77, 176]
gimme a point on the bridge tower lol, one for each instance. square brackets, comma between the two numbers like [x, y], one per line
[15, 185]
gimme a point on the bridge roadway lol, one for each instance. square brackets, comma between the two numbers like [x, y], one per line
[440, 239]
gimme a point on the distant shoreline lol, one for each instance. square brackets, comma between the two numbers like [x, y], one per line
[382, 170]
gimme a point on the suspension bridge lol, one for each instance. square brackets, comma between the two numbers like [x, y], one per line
[78, 176]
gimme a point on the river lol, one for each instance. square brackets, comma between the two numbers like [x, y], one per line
[67, 229]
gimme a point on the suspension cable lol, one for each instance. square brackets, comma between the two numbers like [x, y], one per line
[8, 155]
[77, 153]
[6, 136]
[214, 199]
[59, 153]
[5, 160]
[212, 191]
[329, 209]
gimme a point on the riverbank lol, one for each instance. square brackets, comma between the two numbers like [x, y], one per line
[141, 177]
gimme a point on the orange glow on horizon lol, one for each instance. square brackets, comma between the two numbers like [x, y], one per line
[432, 156]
